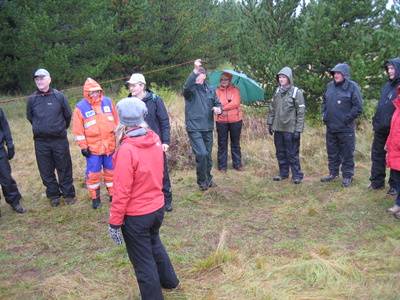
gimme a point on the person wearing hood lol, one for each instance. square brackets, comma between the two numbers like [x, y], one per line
[138, 204]
[94, 121]
[49, 113]
[158, 120]
[201, 102]
[341, 105]
[286, 123]
[381, 127]
[229, 123]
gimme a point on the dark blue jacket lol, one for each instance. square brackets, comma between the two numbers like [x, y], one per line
[383, 115]
[341, 102]
[5, 133]
[157, 116]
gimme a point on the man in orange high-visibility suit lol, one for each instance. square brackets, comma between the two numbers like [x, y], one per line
[94, 120]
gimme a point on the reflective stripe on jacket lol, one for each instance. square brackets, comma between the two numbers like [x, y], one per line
[94, 125]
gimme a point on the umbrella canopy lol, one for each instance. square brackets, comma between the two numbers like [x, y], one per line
[250, 90]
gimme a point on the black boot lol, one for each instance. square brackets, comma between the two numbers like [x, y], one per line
[96, 203]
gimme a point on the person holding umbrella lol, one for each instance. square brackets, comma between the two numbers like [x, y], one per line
[286, 122]
[229, 122]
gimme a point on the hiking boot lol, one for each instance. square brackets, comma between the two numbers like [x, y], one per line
[55, 202]
[394, 209]
[212, 184]
[297, 181]
[279, 178]
[222, 171]
[96, 203]
[19, 209]
[392, 191]
[397, 215]
[346, 182]
[203, 187]
[168, 207]
[329, 178]
[240, 169]
[69, 200]
[372, 187]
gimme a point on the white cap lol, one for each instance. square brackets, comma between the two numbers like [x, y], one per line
[41, 73]
[135, 78]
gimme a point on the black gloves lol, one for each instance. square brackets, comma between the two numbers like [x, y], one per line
[271, 132]
[296, 135]
[86, 152]
[11, 153]
[115, 234]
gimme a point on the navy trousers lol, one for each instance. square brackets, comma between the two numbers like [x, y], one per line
[226, 131]
[340, 147]
[378, 158]
[287, 153]
[8, 185]
[152, 265]
[54, 156]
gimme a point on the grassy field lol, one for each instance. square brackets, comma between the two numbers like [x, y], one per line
[248, 238]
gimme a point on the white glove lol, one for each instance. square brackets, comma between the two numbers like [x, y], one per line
[115, 234]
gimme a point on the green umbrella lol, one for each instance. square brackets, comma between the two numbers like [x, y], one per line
[250, 90]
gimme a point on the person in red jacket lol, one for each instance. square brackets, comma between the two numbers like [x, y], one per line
[138, 203]
[229, 122]
[94, 121]
[392, 148]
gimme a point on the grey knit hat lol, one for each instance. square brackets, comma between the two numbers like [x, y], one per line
[131, 111]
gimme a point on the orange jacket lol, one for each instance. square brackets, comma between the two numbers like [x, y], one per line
[230, 101]
[94, 121]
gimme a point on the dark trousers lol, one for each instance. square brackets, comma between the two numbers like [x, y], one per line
[152, 265]
[226, 131]
[8, 185]
[167, 190]
[54, 156]
[202, 142]
[340, 147]
[378, 158]
[396, 178]
[287, 153]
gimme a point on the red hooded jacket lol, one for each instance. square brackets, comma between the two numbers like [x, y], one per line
[393, 141]
[138, 175]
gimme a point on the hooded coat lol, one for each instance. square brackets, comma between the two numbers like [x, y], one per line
[94, 121]
[138, 174]
[341, 102]
[393, 141]
[287, 108]
[383, 115]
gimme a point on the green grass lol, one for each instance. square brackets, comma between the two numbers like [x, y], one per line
[248, 238]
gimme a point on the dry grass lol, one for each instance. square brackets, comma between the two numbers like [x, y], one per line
[248, 238]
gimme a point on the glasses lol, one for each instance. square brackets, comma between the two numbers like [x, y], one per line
[224, 79]
[94, 93]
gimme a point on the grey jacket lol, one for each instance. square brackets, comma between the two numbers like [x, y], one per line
[287, 108]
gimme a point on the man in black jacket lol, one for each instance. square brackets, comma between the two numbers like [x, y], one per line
[341, 105]
[381, 128]
[8, 184]
[50, 115]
